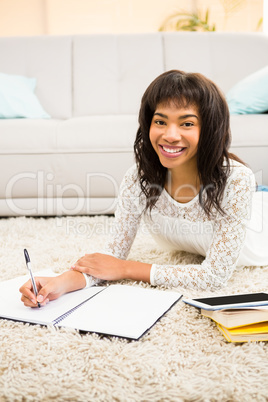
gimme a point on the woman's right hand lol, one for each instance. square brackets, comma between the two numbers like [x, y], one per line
[51, 288]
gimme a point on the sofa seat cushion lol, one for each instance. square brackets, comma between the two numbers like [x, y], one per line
[22, 136]
[77, 135]
[111, 133]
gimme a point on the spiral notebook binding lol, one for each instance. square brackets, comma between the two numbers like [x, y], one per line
[69, 312]
[65, 315]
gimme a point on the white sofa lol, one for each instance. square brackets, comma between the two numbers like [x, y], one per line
[91, 86]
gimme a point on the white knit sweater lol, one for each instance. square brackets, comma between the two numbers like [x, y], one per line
[237, 238]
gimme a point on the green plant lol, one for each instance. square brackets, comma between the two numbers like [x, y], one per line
[184, 21]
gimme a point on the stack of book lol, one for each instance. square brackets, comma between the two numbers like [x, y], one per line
[240, 317]
[241, 324]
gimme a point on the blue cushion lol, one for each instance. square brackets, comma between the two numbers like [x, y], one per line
[17, 98]
[250, 95]
[262, 188]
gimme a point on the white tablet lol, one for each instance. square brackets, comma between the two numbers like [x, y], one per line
[233, 301]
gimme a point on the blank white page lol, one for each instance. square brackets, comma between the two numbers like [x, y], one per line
[121, 310]
[11, 306]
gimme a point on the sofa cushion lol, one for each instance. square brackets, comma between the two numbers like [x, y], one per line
[250, 95]
[110, 133]
[111, 72]
[224, 57]
[48, 59]
[77, 135]
[23, 136]
[235, 56]
[187, 51]
[17, 98]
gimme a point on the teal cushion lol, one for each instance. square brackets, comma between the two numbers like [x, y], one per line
[17, 98]
[262, 188]
[250, 95]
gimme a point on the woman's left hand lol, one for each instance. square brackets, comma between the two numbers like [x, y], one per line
[101, 266]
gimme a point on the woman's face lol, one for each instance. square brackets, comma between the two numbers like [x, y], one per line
[174, 135]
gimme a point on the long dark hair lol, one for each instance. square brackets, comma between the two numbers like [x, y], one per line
[213, 158]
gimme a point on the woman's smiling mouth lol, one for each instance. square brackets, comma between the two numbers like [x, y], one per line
[171, 152]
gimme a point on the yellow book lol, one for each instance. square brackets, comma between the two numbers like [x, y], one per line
[232, 318]
[247, 333]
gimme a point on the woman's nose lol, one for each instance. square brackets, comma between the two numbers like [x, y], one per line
[172, 133]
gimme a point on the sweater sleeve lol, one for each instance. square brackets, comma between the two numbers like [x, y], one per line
[126, 223]
[227, 242]
[127, 217]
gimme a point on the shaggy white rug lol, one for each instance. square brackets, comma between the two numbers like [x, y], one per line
[182, 358]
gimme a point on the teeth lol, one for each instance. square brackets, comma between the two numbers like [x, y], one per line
[172, 150]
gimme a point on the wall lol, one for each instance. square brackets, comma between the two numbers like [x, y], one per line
[22, 17]
[60, 17]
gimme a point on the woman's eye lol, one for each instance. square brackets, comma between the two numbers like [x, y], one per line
[159, 122]
[188, 124]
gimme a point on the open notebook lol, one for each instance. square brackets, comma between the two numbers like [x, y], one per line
[119, 310]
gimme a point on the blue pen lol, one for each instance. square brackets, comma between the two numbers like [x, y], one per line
[28, 264]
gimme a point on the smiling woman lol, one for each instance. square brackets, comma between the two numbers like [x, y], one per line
[174, 134]
[190, 191]
[206, 136]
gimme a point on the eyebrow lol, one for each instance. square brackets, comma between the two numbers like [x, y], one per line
[185, 116]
